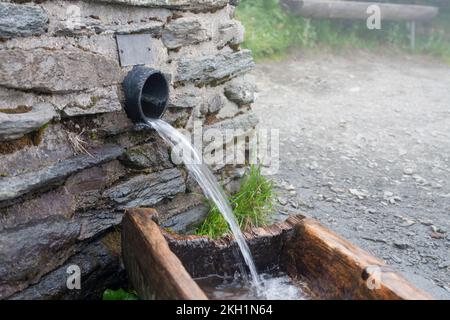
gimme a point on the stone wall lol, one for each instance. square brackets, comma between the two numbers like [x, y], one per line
[71, 161]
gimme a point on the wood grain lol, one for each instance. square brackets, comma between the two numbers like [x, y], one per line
[203, 256]
[161, 264]
[153, 269]
[336, 269]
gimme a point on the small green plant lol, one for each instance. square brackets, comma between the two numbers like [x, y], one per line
[251, 206]
[120, 294]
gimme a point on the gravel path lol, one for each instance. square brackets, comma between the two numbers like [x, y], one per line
[365, 149]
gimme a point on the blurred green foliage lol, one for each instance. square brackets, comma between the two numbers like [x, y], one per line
[270, 31]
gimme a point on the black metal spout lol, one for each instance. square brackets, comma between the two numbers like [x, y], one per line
[146, 94]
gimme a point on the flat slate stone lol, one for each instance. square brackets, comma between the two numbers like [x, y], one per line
[240, 91]
[184, 31]
[244, 122]
[173, 4]
[80, 193]
[22, 20]
[242, 126]
[214, 69]
[188, 221]
[95, 222]
[185, 98]
[56, 71]
[153, 156]
[16, 186]
[95, 101]
[103, 18]
[100, 269]
[16, 125]
[230, 33]
[215, 103]
[28, 253]
[147, 190]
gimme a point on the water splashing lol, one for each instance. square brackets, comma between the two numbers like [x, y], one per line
[209, 184]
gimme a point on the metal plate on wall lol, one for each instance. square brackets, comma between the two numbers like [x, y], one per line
[134, 49]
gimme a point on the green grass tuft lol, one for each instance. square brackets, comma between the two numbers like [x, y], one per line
[120, 294]
[251, 206]
[270, 31]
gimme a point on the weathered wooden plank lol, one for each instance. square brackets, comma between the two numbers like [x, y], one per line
[153, 269]
[358, 10]
[336, 269]
[331, 267]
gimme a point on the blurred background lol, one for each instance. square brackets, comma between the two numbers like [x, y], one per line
[364, 129]
[270, 31]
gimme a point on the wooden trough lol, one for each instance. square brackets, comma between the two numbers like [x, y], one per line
[162, 265]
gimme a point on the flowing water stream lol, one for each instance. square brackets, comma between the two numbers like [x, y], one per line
[276, 287]
[209, 184]
[264, 287]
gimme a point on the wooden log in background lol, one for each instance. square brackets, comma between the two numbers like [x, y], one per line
[358, 10]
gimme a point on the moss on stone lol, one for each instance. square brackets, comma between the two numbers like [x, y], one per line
[94, 101]
[30, 139]
[113, 242]
[7, 147]
[37, 136]
[16, 110]
[93, 135]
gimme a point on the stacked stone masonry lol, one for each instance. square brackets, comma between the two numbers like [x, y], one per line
[71, 161]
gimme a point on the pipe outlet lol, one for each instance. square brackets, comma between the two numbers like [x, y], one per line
[146, 94]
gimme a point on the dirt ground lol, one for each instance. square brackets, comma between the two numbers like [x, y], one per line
[365, 149]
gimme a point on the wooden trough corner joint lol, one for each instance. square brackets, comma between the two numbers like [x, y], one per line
[336, 269]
